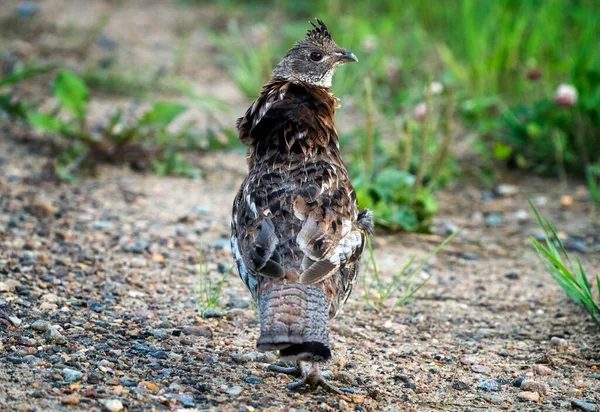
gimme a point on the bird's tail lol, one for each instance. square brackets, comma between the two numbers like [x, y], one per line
[294, 319]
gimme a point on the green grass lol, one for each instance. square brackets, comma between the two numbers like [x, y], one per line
[209, 291]
[404, 285]
[571, 277]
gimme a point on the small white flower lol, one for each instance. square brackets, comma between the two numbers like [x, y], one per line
[420, 112]
[566, 95]
[435, 87]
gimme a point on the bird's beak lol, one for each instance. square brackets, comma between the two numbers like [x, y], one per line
[348, 57]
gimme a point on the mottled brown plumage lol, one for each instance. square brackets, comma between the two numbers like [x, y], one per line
[297, 234]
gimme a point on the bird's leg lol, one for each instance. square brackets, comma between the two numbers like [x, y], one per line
[309, 374]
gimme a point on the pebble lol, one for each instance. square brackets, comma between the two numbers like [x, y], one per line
[506, 190]
[566, 201]
[159, 333]
[234, 390]
[534, 386]
[490, 385]
[480, 369]
[512, 274]
[139, 262]
[542, 370]
[113, 405]
[103, 225]
[15, 321]
[493, 220]
[470, 256]
[53, 336]
[460, 386]
[72, 399]
[529, 396]
[185, 399]
[198, 331]
[212, 313]
[40, 325]
[160, 354]
[584, 406]
[254, 380]
[71, 375]
[557, 342]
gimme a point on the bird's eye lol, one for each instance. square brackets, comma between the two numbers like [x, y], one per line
[316, 56]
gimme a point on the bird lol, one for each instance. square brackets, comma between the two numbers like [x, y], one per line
[297, 233]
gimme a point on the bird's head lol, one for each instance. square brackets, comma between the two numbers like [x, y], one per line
[313, 60]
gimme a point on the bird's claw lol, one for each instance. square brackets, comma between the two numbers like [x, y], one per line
[309, 375]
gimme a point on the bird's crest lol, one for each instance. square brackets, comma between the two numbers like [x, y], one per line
[318, 32]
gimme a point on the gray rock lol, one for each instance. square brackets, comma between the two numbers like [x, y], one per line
[159, 333]
[71, 375]
[534, 386]
[15, 320]
[27, 9]
[512, 274]
[254, 380]
[113, 405]
[493, 220]
[103, 225]
[186, 400]
[52, 335]
[584, 406]
[234, 390]
[40, 325]
[489, 385]
[506, 190]
[460, 386]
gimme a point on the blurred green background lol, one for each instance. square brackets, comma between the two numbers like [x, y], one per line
[444, 90]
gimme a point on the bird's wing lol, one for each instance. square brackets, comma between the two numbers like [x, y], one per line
[256, 244]
[331, 236]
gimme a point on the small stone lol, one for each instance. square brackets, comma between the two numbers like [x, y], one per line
[212, 313]
[529, 396]
[542, 370]
[113, 405]
[149, 385]
[71, 375]
[49, 297]
[534, 386]
[512, 274]
[558, 342]
[490, 386]
[481, 369]
[47, 306]
[4, 287]
[40, 325]
[160, 354]
[72, 399]
[159, 333]
[40, 208]
[470, 256]
[584, 406]
[244, 357]
[138, 262]
[493, 220]
[460, 386]
[517, 382]
[186, 400]
[14, 320]
[103, 225]
[521, 215]
[52, 335]
[506, 190]
[198, 331]
[234, 390]
[566, 201]
[254, 380]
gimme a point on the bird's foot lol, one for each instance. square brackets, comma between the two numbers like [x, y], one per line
[309, 375]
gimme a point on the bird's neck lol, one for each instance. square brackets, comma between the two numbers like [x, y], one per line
[290, 119]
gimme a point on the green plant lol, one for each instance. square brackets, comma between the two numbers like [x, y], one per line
[10, 107]
[209, 291]
[399, 184]
[572, 279]
[139, 143]
[593, 179]
[405, 284]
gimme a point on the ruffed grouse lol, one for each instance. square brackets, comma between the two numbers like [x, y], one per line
[297, 234]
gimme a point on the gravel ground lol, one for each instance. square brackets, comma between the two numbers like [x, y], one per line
[99, 281]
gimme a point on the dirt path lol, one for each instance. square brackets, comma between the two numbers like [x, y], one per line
[99, 280]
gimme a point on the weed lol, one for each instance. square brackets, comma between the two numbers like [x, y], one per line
[405, 284]
[572, 279]
[593, 179]
[209, 291]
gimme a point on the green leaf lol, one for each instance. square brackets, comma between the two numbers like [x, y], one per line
[72, 93]
[24, 73]
[502, 152]
[162, 114]
[45, 123]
